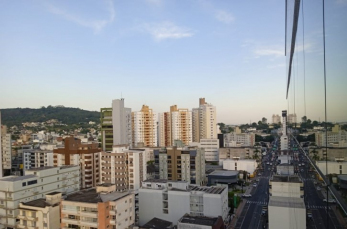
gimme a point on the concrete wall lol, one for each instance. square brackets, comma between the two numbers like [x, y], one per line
[287, 218]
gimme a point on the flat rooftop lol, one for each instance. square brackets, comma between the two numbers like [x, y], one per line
[39, 203]
[156, 180]
[17, 178]
[199, 220]
[157, 223]
[91, 196]
[286, 202]
[210, 189]
[283, 178]
[224, 173]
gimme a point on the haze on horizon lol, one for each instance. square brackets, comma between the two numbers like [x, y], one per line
[162, 53]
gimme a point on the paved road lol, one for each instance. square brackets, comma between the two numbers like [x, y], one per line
[251, 215]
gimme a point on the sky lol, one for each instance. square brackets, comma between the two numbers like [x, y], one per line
[161, 53]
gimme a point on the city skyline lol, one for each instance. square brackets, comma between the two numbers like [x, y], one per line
[162, 53]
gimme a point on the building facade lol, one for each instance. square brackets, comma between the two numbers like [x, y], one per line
[37, 158]
[276, 119]
[41, 213]
[36, 183]
[204, 123]
[86, 156]
[101, 207]
[144, 127]
[181, 164]
[234, 139]
[5, 149]
[175, 125]
[170, 200]
[245, 165]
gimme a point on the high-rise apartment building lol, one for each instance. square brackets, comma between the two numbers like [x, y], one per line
[239, 139]
[291, 118]
[144, 127]
[115, 125]
[84, 155]
[276, 119]
[181, 164]
[123, 167]
[175, 125]
[101, 207]
[204, 123]
[5, 149]
[36, 183]
[284, 137]
[37, 158]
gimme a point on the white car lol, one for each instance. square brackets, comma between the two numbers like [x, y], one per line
[318, 188]
[254, 185]
[330, 200]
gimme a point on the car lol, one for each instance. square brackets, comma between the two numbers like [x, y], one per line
[302, 170]
[309, 214]
[330, 200]
[318, 188]
[254, 185]
[246, 195]
[259, 174]
[264, 210]
[299, 164]
[303, 163]
[257, 180]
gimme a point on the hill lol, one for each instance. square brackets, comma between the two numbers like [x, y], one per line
[67, 115]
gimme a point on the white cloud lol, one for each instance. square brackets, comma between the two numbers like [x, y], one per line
[167, 30]
[154, 2]
[96, 25]
[276, 52]
[224, 17]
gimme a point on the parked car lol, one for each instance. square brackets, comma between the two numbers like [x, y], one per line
[254, 185]
[318, 188]
[330, 200]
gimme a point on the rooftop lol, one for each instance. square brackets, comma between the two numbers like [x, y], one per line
[156, 180]
[52, 193]
[210, 190]
[224, 173]
[158, 223]
[17, 178]
[199, 220]
[40, 203]
[91, 196]
[287, 202]
[291, 179]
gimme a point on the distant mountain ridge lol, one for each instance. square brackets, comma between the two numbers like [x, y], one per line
[66, 115]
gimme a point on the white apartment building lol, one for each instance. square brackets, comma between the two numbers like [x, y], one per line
[144, 127]
[333, 167]
[123, 167]
[35, 184]
[37, 158]
[239, 139]
[245, 165]
[204, 121]
[5, 149]
[286, 213]
[211, 147]
[292, 118]
[286, 207]
[170, 200]
[43, 213]
[101, 207]
[336, 137]
[175, 125]
[276, 119]
[286, 186]
[121, 121]
[284, 137]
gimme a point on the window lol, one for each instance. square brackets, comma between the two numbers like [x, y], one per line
[24, 184]
[32, 182]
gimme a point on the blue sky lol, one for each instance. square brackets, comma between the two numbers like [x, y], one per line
[162, 53]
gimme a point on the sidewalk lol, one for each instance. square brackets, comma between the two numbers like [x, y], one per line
[240, 208]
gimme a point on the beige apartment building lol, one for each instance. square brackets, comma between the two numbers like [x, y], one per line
[36, 183]
[144, 127]
[98, 208]
[175, 125]
[84, 155]
[204, 122]
[43, 213]
[123, 167]
[181, 164]
[5, 149]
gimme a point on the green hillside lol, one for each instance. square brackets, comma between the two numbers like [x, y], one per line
[67, 115]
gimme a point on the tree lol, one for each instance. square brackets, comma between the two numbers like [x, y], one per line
[304, 119]
[309, 121]
[264, 120]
